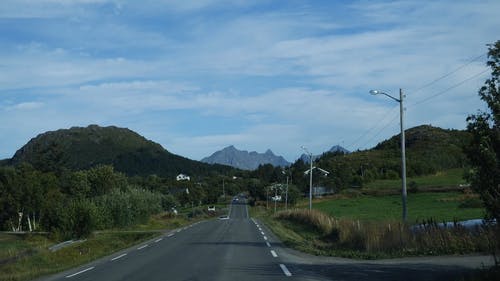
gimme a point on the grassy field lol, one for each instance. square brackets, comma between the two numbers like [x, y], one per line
[24, 257]
[453, 177]
[421, 206]
[22, 265]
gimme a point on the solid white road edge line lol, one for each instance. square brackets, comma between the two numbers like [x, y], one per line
[285, 270]
[142, 247]
[74, 274]
[120, 256]
[274, 254]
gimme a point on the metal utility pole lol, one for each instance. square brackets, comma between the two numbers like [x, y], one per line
[286, 193]
[223, 190]
[275, 197]
[403, 153]
[310, 176]
[284, 172]
[267, 198]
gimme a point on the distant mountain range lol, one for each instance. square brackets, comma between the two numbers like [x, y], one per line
[80, 148]
[243, 159]
[335, 148]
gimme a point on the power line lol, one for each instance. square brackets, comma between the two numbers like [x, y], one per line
[450, 88]
[381, 130]
[449, 73]
[351, 146]
[421, 101]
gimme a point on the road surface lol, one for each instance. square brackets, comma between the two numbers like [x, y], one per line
[240, 248]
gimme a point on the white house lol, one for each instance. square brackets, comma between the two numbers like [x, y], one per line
[182, 177]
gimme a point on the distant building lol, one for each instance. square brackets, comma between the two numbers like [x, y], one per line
[182, 177]
[319, 191]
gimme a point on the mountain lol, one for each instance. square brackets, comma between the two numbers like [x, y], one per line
[243, 159]
[80, 148]
[334, 149]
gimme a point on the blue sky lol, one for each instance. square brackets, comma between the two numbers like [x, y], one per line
[196, 76]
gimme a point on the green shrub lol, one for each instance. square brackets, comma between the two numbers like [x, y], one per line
[471, 202]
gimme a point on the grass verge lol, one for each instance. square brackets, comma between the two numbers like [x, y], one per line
[27, 257]
[317, 233]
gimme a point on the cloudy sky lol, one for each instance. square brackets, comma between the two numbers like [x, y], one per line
[196, 76]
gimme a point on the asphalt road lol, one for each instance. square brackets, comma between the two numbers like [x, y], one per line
[220, 249]
[239, 248]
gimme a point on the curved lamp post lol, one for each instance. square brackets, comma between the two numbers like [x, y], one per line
[403, 157]
[310, 175]
[310, 171]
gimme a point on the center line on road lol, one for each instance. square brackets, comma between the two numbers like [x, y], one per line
[274, 254]
[120, 256]
[269, 245]
[142, 247]
[74, 274]
[285, 270]
[158, 240]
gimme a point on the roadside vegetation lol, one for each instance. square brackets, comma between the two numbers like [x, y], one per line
[27, 256]
[320, 234]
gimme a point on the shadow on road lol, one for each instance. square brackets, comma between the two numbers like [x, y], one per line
[379, 272]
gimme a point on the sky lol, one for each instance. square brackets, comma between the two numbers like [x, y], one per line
[197, 76]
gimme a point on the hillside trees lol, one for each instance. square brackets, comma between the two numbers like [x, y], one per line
[73, 204]
[484, 149]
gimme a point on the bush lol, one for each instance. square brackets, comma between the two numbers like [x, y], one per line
[352, 238]
[312, 218]
[471, 202]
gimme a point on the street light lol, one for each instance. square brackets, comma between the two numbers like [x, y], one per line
[403, 159]
[310, 176]
[286, 192]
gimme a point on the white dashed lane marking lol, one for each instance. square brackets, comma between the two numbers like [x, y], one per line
[274, 254]
[118, 257]
[285, 270]
[142, 247]
[79, 272]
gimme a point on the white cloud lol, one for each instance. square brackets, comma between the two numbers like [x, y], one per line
[27, 105]
[287, 76]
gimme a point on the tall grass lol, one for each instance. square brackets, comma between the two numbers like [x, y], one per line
[354, 238]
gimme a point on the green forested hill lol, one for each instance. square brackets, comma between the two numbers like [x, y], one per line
[81, 148]
[428, 150]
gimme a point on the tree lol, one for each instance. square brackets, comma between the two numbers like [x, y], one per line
[484, 149]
